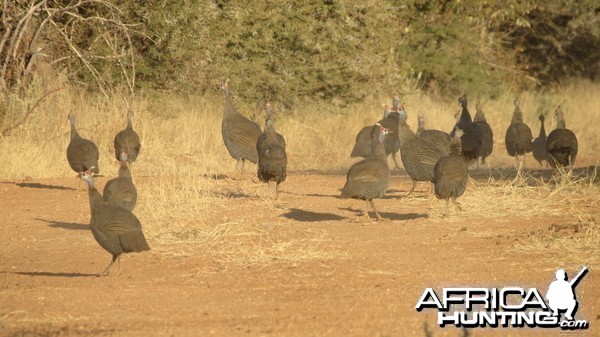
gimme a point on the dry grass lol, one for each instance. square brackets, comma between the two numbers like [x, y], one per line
[576, 239]
[184, 133]
[225, 219]
[183, 159]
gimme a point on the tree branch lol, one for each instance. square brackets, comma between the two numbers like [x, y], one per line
[7, 130]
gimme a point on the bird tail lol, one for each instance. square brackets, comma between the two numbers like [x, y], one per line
[134, 242]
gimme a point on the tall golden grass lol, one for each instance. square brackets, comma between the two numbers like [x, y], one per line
[183, 159]
[183, 133]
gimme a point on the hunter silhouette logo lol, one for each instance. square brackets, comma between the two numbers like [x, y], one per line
[509, 306]
[561, 293]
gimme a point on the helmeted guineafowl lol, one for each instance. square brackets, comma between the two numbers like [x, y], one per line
[272, 159]
[362, 143]
[561, 144]
[116, 229]
[82, 154]
[437, 137]
[518, 137]
[127, 140]
[471, 138]
[418, 155]
[539, 144]
[239, 133]
[369, 178]
[121, 191]
[487, 135]
[451, 174]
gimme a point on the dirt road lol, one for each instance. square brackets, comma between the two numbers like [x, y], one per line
[301, 266]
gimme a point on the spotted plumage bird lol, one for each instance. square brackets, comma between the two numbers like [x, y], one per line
[239, 133]
[370, 178]
[116, 229]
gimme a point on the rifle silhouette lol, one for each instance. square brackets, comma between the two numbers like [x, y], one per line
[578, 277]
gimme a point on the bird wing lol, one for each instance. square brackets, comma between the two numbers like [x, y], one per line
[120, 189]
[426, 153]
[367, 170]
[114, 220]
[243, 131]
[451, 168]
[362, 145]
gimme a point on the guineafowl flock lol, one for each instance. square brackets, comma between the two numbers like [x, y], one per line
[114, 226]
[435, 156]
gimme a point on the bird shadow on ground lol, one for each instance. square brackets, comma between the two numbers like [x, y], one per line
[234, 195]
[312, 194]
[214, 176]
[391, 216]
[310, 216]
[47, 273]
[65, 225]
[44, 186]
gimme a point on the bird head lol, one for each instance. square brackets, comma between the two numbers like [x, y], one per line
[386, 110]
[402, 113]
[458, 133]
[558, 113]
[123, 156]
[382, 133]
[225, 87]
[462, 100]
[395, 102]
[88, 176]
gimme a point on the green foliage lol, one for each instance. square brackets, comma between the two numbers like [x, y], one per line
[342, 51]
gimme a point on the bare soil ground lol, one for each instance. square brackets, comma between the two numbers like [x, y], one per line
[302, 265]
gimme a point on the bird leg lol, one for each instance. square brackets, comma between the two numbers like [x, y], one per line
[518, 167]
[412, 188]
[105, 271]
[269, 189]
[570, 161]
[457, 204]
[379, 217]
[366, 215]
[237, 165]
[431, 191]
[119, 265]
[79, 183]
[276, 191]
[243, 162]
[447, 208]
[396, 166]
